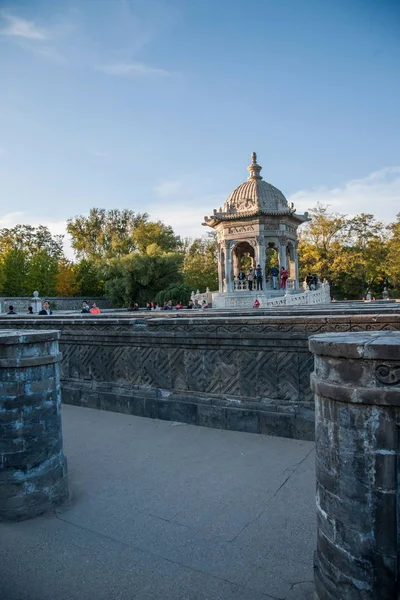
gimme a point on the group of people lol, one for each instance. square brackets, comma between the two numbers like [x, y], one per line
[46, 310]
[93, 309]
[168, 305]
[255, 278]
[312, 281]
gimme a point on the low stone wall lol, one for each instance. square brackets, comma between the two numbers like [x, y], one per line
[21, 304]
[357, 394]
[249, 373]
[33, 469]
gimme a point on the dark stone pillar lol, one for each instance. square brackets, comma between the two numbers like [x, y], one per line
[33, 471]
[357, 396]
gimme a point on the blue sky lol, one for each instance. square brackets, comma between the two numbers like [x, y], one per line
[156, 105]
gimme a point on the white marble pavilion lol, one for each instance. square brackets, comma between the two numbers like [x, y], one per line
[256, 223]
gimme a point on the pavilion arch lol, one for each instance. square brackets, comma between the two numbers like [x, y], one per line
[243, 255]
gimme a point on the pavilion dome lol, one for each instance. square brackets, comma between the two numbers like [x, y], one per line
[256, 194]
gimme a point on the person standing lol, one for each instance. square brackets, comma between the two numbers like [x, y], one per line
[250, 278]
[259, 277]
[46, 310]
[94, 310]
[11, 310]
[284, 275]
[275, 275]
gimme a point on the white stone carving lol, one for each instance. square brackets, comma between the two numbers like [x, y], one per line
[241, 229]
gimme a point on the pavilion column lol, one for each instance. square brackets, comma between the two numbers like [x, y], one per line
[228, 267]
[260, 252]
[220, 268]
[282, 255]
[296, 266]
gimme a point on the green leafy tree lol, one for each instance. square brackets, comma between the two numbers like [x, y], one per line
[320, 242]
[104, 233]
[139, 277]
[155, 232]
[177, 292]
[200, 267]
[88, 278]
[14, 271]
[361, 265]
[29, 259]
[351, 253]
[393, 255]
[42, 273]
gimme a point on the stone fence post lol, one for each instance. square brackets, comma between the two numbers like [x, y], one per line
[357, 396]
[33, 471]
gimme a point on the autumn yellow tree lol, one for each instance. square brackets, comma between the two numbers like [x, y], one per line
[66, 282]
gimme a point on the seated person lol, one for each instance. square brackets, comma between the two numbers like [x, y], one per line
[94, 310]
[11, 310]
[85, 307]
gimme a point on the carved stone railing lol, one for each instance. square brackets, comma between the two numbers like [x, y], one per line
[242, 285]
[271, 298]
[207, 296]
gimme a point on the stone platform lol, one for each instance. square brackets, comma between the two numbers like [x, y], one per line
[166, 511]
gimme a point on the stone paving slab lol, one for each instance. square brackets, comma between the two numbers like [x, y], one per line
[162, 510]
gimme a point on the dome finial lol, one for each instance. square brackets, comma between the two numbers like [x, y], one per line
[254, 169]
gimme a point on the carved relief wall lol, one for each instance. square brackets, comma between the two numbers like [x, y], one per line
[236, 373]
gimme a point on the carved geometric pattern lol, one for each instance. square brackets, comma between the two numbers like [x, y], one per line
[248, 369]
[207, 355]
[177, 369]
[229, 373]
[212, 377]
[194, 370]
[288, 375]
[306, 367]
[127, 366]
[155, 368]
[267, 380]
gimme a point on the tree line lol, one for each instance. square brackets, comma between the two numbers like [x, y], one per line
[118, 253]
[355, 254]
[129, 258]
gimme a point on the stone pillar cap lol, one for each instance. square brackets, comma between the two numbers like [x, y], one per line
[27, 336]
[374, 345]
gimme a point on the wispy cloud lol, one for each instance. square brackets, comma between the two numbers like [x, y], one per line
[21, 28]
[99, 153]
[132, 69]
[32, 38]
[377, 194]
[169, 188]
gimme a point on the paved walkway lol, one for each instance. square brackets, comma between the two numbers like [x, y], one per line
[166, 511]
